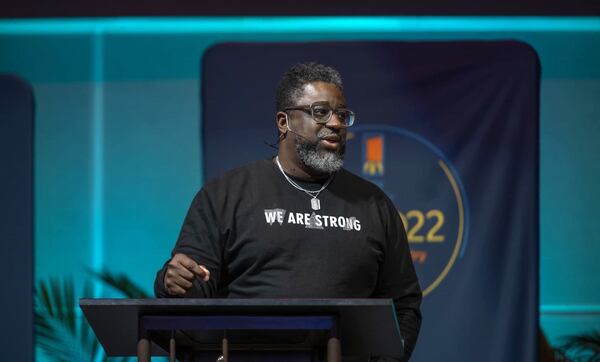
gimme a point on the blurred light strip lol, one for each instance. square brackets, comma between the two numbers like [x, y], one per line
[330, 24]
[97, 137]
[569, 309]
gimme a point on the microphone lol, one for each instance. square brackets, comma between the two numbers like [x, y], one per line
[287, 124]
[319, 136]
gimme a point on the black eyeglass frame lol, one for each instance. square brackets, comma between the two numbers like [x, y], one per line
[309, 109]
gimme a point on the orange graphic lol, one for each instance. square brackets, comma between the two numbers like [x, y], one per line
[374, 157]
[418, 256]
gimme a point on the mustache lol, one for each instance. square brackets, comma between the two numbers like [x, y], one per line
[325, 132]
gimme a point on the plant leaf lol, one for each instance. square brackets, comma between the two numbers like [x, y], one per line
[69, 302]
[585, 346]
[57, 330]
[56, 299]
[44, 298]
[121, 283]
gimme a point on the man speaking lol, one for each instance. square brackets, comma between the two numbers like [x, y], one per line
[297, 225]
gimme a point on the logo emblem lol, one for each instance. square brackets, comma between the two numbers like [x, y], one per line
[373, 164]
[425, 188]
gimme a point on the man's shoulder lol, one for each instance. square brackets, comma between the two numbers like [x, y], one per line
[239, 174]
[360, 185]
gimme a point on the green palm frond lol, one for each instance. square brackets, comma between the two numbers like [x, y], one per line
[59, 331]
[584, 346]
[121, 283]
[63, 334]
[560, 355]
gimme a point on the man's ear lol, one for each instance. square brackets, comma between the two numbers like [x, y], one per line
[282, 122]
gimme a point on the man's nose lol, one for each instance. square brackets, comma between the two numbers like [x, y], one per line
[335, 122]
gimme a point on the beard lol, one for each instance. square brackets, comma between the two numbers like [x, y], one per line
[312, 155]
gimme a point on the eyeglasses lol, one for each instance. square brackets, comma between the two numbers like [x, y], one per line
[321, 112]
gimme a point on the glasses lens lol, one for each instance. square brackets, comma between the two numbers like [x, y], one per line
[346, 116]
[321, 113]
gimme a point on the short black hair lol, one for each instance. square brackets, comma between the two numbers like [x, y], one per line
[293, 81]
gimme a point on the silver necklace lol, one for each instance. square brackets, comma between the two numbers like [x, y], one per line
[315, 203]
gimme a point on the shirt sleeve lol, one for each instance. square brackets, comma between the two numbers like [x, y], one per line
[397, 279]
[199, 239]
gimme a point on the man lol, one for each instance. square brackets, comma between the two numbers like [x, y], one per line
[297, 225]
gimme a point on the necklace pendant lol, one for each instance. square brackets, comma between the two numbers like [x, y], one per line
[315, 204]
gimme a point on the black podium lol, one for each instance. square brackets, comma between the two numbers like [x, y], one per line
[246, 329]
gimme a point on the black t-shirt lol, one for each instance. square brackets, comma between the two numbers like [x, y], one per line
[259, 237]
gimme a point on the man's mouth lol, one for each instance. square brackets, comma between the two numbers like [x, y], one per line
[331, 138]
[331, 141]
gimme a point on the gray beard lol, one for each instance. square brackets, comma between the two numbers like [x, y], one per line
[318, 159]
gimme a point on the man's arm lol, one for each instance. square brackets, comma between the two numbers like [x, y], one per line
[194, 268]
[398, 280]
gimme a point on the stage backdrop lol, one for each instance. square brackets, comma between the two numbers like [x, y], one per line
[16, 218]
[449, 130]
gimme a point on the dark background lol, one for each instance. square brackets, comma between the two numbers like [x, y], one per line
[97, 8]
[16, 217]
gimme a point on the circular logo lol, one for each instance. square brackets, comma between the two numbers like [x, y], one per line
[424, 187]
